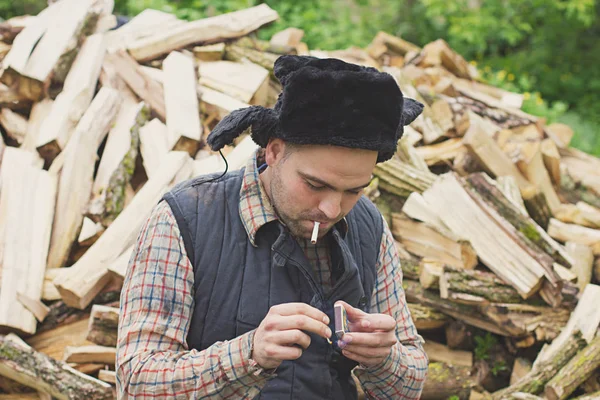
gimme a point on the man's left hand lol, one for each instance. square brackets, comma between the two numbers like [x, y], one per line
[371, 336]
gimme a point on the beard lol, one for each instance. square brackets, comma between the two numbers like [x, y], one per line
[283, 203]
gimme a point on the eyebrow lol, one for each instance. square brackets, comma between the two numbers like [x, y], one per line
[321, 182]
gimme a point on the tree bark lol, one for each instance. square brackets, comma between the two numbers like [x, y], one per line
[534, 381]
[575, 372]
[103, 325]
[482, 284]
[444, 381]
[29, 367]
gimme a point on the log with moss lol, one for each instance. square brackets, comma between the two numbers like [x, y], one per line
[235, 52]
[402, 179]
[535, 380]
[478, 284]
[21, 363]
[426, 318]
[575, 372]
[445, 381]
[572, 191]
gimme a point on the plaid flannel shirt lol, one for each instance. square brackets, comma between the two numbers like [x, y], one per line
[153, 358]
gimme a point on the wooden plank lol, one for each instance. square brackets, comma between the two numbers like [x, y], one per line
[144, 86]
[73, 101]
[77, 173]
[28, 197]
[213, 29]
[38, 371]
[79, 284]
[246, 82]
[118, 161]
[181, 103]
[15, 125]
[494, 246]
[154, 145]
[39, 113]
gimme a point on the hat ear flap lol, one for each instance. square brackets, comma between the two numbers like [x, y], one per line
[262, 120]
[411, 110]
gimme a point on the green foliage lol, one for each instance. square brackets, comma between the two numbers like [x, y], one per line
[483, 346]
[454, 397]
[11, 8]
[498, 367]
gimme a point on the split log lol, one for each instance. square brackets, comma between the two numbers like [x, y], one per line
[143, 85]
[118, 268]
[441, 153]
[407, 153]
[181, 102]
[102, 329]
[288, 37]
[427, 318]
[39, 113]
[417, 208]
[35, 306]
[49, 292]
[590, 396]
[561, 134]
[22, 364]
[575, 233]
[208, 30]
[12, 99]
[28, 197]
[579, 214]
[246, 82]
[402, 179]
[494, 246]
[431, 271]
[444, 381]
[90, 232]
[551, 158]
[529, 235]
[573, 191]
[479, 286]
[90, 354]
[469, 118]
[217, 103]
[575, 372]
[439, 53]
[521, 367]
[508, 99]
[15, 125]
[118, 162]
[584, 262]
[585, 318]
[74, 99]
[234, 52]
[107, 376]
[80, 283]
[76, 179]
[442, 113]
[509, 187]
[211, 52]
[541, 373]
[141, 26]
[495, 162]
[433, 243]
[52, 57]
[393, 43]
[153, 145]
[438, 352]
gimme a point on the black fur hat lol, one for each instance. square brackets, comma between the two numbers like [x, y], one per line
[328, 102]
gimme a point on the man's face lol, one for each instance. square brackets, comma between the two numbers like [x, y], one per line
[315, 183]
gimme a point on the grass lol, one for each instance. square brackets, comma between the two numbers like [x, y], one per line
[587, 133]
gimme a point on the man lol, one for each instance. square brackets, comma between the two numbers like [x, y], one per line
[226, 296]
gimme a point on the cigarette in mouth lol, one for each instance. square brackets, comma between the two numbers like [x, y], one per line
[315, 233]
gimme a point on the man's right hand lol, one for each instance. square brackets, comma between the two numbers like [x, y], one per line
[283, 327]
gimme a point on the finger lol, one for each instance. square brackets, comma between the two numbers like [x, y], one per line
[301, 308]
[353, 313]
[370, 339]
[374, 322]
[362, 359]
[291, 337]
[277, 352]
[368, 352]
[302, 322]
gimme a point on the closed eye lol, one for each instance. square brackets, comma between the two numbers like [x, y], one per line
[313, 187]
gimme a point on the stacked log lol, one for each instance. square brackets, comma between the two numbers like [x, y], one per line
[496, 217]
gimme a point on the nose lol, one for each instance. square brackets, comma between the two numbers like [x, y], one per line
[331, 206]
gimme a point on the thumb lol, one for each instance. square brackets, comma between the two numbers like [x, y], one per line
[352, 313]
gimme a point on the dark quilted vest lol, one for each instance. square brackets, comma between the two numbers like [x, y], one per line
[236, 283]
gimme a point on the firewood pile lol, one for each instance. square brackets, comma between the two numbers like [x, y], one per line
[497, 219]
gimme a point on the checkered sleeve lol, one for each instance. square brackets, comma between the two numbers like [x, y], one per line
[402, 374]
[153, 358]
